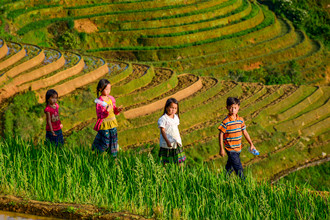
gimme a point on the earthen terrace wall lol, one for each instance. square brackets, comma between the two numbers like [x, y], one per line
[3, 49]
[72, 85]
[43, 83]
[147, 109]
[13, 59]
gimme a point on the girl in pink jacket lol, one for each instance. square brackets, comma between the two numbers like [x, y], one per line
[106, 125]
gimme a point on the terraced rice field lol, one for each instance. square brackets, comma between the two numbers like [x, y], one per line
[281, 119]
[202, 39]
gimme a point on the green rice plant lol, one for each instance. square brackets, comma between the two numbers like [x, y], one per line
[188, 22]
[298, 96]
[294, 156]
[201, 27]
[43, 23]
[281, 55]
[301, 105]
[122, 75]
[196, 192]
[149, 94]
[103, 7]
[15, 13]
[269, 19]
[182, 12]
[171, 57]
[223, 57]
[204, 33]
[134, 84]
[267, 98]
[316, 128]
[82, 5]
[305, 119]
[314, 178]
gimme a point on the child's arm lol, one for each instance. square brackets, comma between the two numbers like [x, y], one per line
[116, 109]
[101, 112]
[247, 137]
[162, 131]
[49, 122]
[222, 149]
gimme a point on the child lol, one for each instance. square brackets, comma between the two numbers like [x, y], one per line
[231, 130]
[53, 127]
[171, 149]
[106, 125]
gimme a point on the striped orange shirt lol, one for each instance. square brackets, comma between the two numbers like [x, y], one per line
[232, 130]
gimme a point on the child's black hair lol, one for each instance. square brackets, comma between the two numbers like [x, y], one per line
[101, 86]
[169, 102]
[49, 94]
[232, 101]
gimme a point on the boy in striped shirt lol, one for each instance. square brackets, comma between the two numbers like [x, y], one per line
[231, 130]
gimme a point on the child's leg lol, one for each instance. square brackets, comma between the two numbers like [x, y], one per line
[60, 139]
[113, 142]
[164, 155]
[235, 162]
[55, 140]
[229, 166]
[101, 141]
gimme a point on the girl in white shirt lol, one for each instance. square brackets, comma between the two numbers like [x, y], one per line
[171, 150]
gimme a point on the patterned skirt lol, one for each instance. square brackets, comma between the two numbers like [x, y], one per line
[106, 140]
[55, 140]
[172, 155]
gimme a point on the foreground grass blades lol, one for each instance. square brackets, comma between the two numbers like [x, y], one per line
[139, 184]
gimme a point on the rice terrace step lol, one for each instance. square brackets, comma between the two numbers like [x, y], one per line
[272, 55]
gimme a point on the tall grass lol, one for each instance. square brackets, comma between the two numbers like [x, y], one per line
[139, 184]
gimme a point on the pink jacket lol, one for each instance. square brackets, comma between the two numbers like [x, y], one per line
[102, 112]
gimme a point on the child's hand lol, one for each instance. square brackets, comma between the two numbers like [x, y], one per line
[120, 108]
[169, 144]
[61, 126]
[252, 147]
[109, 107]
[222, 152]
[54, 133]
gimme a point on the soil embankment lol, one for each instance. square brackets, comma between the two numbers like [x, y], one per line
[310, 163]
[60, 210]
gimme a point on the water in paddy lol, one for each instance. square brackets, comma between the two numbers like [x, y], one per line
[4, 215]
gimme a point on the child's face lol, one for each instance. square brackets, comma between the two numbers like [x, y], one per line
[172, 109]
[233, 109]
[52, 100]
[107, 90]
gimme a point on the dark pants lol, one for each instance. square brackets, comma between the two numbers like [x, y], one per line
[234, 163]
[55, 140]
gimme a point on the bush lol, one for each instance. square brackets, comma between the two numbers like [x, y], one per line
[22, 117]
[270, 75]
[68, 40]
[307, 15]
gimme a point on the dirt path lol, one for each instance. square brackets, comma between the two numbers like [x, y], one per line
[60, 210]
[85, 25]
